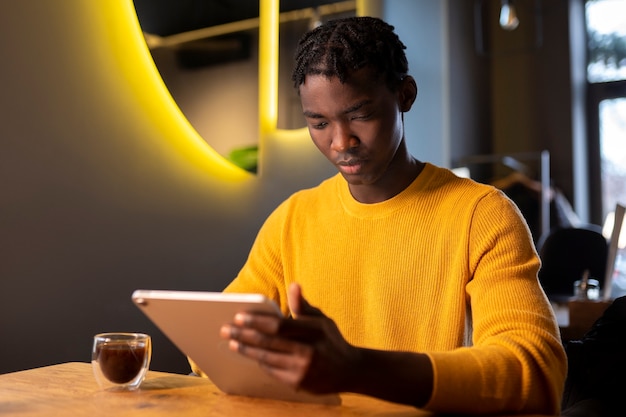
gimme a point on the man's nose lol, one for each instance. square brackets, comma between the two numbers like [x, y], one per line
[343, 139]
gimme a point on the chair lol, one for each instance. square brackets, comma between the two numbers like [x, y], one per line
[565, 255]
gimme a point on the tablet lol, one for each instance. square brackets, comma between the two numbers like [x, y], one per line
[192, 321]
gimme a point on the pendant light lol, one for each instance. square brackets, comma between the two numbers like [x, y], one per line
[508, 16]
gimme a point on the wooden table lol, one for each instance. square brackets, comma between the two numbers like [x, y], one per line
[576, 317]
[70, 389]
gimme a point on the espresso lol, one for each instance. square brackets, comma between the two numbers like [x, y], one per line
[120, 362]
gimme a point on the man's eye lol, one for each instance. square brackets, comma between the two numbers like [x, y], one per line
[319, 125]
[361, 117]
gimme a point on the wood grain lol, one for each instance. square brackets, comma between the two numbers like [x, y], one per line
[70, 389]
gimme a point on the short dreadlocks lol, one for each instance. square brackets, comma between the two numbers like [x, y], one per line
[343, 46]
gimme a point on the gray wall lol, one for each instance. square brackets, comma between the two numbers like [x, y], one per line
[97, 198]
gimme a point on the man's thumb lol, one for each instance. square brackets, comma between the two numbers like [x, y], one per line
[298, 305]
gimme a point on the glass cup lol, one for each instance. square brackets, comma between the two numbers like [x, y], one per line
[587, 289]
[120, 360]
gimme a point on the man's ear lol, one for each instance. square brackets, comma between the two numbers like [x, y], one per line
[407, 93]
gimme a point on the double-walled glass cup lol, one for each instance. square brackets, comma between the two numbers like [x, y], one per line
[120, 360]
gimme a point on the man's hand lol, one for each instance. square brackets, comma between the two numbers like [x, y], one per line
[307, 352]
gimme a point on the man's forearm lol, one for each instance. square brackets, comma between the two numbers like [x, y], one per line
[402, 377]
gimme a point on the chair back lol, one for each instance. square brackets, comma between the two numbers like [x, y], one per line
[565, 255]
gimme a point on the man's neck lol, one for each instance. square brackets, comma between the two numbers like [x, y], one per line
[397, 180]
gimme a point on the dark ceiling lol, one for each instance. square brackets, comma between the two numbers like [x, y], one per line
[168, 17]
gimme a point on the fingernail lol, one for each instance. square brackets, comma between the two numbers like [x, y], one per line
[225, 331]
[233, 345]
[241, 318]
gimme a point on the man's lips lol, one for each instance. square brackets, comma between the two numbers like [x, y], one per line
[350, 166]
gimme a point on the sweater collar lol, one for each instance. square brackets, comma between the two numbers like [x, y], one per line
[384, 208]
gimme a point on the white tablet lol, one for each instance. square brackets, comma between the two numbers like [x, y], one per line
[192, 321]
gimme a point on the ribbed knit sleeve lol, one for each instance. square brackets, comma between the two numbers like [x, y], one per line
[517, 361]
[446, 264]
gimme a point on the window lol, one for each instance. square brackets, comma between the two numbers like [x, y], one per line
[606, 34]
[606, 76]
[612, 114]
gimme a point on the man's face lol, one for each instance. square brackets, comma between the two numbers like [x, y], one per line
[356, 125]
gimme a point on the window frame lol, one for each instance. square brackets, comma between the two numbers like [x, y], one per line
[596, 92]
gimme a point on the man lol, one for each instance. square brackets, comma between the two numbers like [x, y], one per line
[424, 284]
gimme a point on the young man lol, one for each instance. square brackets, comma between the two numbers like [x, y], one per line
[424, 284]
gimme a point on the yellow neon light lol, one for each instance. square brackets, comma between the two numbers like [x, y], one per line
[138, 67]
[268, 66]
[369, 8]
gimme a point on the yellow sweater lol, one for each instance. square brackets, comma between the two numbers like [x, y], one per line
[405, 274]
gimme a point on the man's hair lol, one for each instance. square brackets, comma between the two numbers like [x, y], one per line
[342, 46]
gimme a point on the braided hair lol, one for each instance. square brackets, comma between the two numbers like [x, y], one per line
[345, 45]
